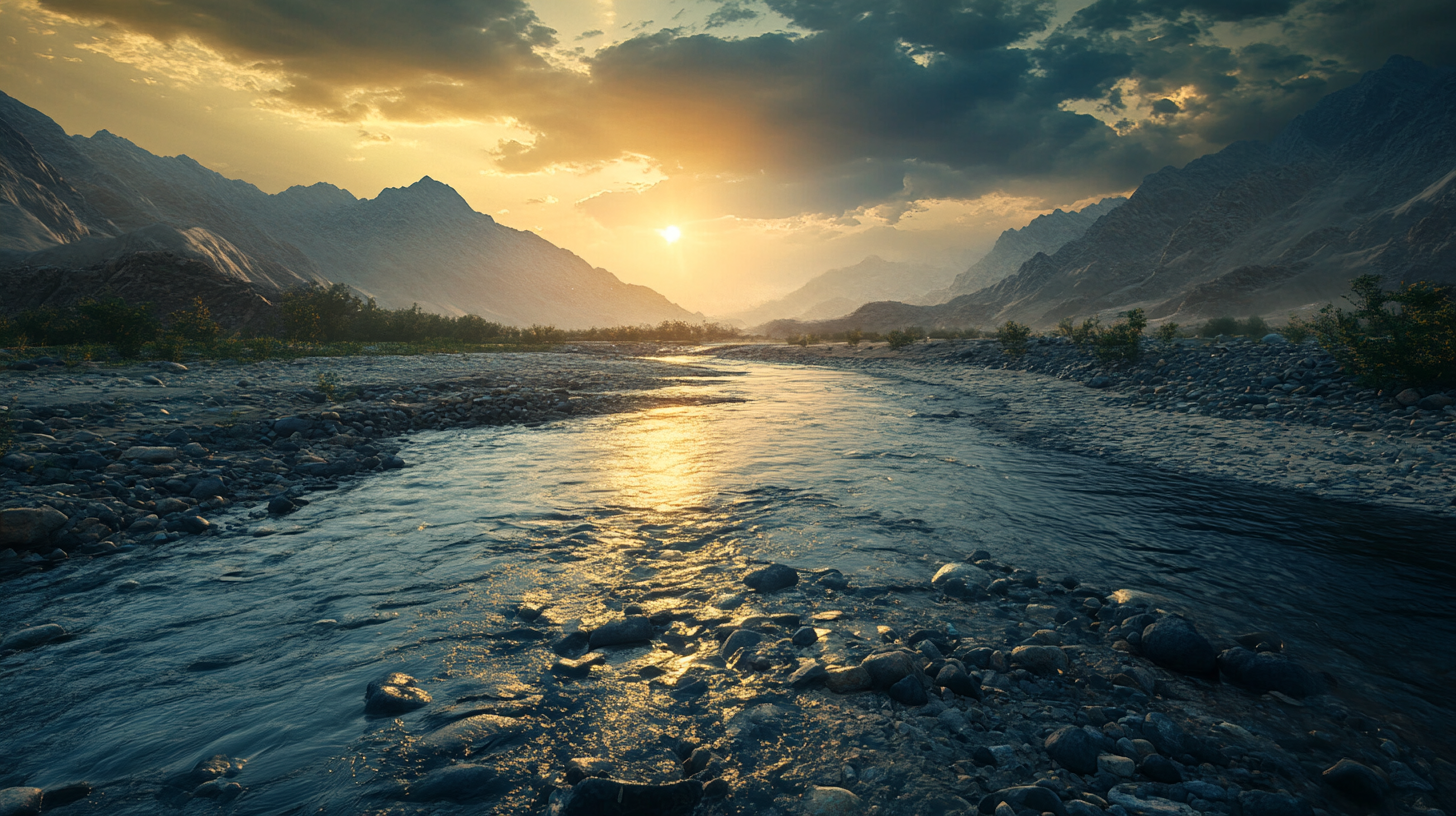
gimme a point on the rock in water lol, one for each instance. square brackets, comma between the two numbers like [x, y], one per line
[821, 801]
[457, 783]
[610, 797]
[25, 527]
[394, 693]
[1029, 797]
[771, 578]
[1268, 671]
[960, 575]
[1359, 782]
[480, 735]
[631, 629]
[19, 801]
[1172, 642]
[1073, 749]
[33, 637]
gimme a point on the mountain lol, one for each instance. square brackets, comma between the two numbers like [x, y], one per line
[74, 203]
[841, 291]
[1363, 182]
[1046, 234]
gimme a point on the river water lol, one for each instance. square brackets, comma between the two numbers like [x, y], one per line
[260, 647]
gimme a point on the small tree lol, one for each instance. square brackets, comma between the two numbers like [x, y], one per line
[853, 337]
[195, 325]
[900, 338]
[1255, 327]
[1166, 334]
[1013, 336]
[1297, 330]
[1408, 335]
[126, 327]
[1121, 341]
[1221, 325]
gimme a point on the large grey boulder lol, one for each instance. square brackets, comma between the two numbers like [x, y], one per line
[26, 527]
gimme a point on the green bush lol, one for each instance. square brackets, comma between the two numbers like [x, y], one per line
[1086, 333]
[122, 325]
[1166, 334]
[1122, 340]
[900, 338]
[194, 325]
[1221, 325]
[1297, 330]
[1013, 336]
[853, 337]
[1255, 327]
[1406, 336]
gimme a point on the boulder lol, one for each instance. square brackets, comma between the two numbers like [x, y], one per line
[26, 527]
[209, 487]
[885, 669]
[847, 679]
[909, 691]
[394, 693]
[824, 801]
[1073, 749]
[457, 783]
[610, 797]
[32, 637]
[771, 578]
[1040, 659]
[1268, 671]
[630, 629]
[1174, 643]
[289, 425]
[740, 639]
[1027, 797]
[956, 577]
[20, 801]
[1357, 781]
[956, 679]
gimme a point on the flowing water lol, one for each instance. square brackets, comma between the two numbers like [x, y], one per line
[260, 648]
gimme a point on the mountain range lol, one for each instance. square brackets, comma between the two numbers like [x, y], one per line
[840, 291]
[73, 204]
[1363, 182]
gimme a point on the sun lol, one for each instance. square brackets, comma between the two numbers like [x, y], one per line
[670, 234]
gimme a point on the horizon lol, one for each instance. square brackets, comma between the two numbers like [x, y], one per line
[652, 150]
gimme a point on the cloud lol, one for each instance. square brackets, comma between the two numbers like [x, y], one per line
[730, 12]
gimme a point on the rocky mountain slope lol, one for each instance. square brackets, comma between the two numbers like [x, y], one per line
[1046, 233]
[1364, 182]
[72, 202]
[841, 291]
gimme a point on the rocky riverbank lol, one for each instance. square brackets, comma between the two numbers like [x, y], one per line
[109, 457]
[1277, 414]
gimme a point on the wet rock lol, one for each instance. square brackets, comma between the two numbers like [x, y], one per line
[580, 768]
[195, 525]
[280, 505]
[740, 639]
[32, 637]
[1116, 765]
[457, 783]
[847, 679]
[1027, 797]
[214, 767]
[623, 631]
[1174, 643]
[823, 801]
[1268, 671]
[806, 636]
[808, 674]
[611, 797]
[580, 666]
[885, 669]
[17, 461]
[1263, 803]
[956, 578]
[1165, 735]
[61, 795]
[1357, 781]
[956, 679]
[26, 527]
[1160, 769]
[910, 691]
[1408, 397]
[1073, 749]
[394, 693]
[1040, 659]
[771, 578]
[20, 801]
[482, 734]
[209, 487]
[195, 450]
[151, 456]
[287, 426]
[1126, 797]
[177, 438]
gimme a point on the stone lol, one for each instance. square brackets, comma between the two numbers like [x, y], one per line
[1125, 796]
[1408, 397]
[620, 632]
[193, 524]
[482, 734]
[740, 639]
[26, 527]
[59, 796]
[1116, 765]
[1165, 735]
[17, 461]
[953, 677]
[209, 487]
[32, 637]
[1040, 659]
[808, 674]
[1358, 781]
[806, 636]
[280, 505]
[885, 669]
[1174, 643]
[195, 450]
[20, 801]
[847, 679]
[609, 797]
[954, 578]
[580, 666]
[151, 456]
[1273, 338]
[394, 693]
[1073, 749]
[1027, 797]
[177, 438]
[287, 426]
[825, 801]
[910, 691]
[457, 783]
[1160, 769]
[771, 578]
[1435, 402]
[1268, 671]
[1263, 803]
[579, 768]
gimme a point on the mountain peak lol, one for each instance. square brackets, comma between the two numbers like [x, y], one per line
[427, 192]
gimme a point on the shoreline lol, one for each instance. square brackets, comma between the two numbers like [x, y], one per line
[1343, 442]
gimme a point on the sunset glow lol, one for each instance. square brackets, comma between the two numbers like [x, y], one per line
[671, 234]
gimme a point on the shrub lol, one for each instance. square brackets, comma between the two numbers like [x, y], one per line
[1255, 327]
[328, 384]
[1221, 325]
[797, 340]
[853, 337]
[1297, 330]
[114, 321]
[194, 325]
[1407, 336]
[1086, 333]
[1121, 341]
[1166, 334]
[1013, 336]
[900, 338]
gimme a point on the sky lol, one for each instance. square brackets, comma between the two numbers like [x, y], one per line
[780, 138]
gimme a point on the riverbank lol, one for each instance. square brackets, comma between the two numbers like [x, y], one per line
[107, 457]
[1282, 416]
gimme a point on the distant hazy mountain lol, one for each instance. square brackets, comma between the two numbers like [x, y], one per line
[1046, 233]
[841, 291]
[71, 203]
[1364, 182]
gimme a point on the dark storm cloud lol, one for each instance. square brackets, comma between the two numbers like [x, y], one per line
[864, 103]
